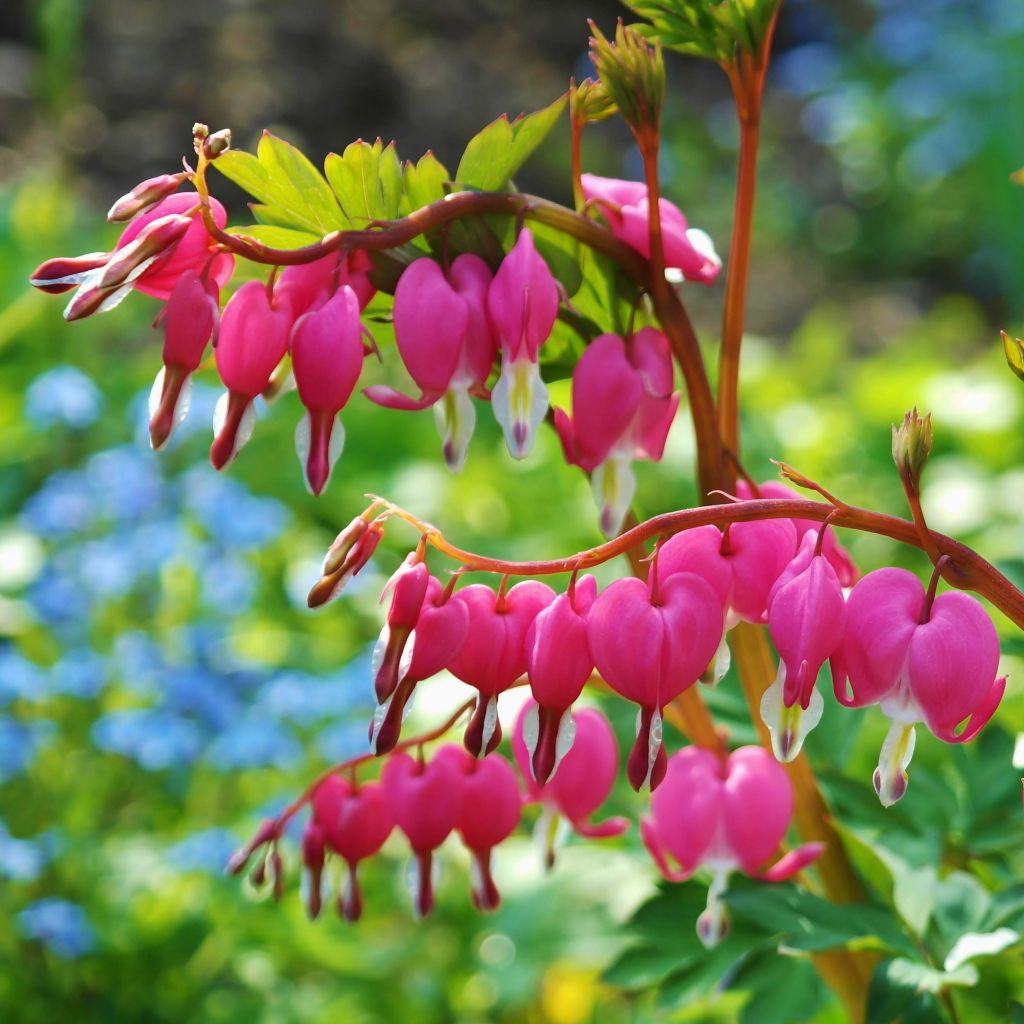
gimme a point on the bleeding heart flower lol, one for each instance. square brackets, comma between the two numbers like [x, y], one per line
[806, 618]
[447, 345]
[582, 783]
[724, 816]
[522, 303]
[189, 320]
[834, 552]
[622, 409]
[494, 654]
[327, 356]
[559, 664]
[354, 822]
[426, 801]
[921, 658]
[626, 207]
[253, 339]
[306, 287]
[650, 642]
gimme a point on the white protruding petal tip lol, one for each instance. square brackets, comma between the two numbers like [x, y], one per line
[788, 726]
[520, 400]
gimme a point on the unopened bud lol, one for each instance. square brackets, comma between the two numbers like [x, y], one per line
[146, 194]
[589, 102]
[1013, 348]
[63, 273]
[217, 143]
[154, 240]
[632, 72]
[911, 446]
[342, 545]
[269, 829]
[313, 858]
[358, 553]
[91, 298]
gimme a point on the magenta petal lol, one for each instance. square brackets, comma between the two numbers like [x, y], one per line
[389, 398]
[793, 862]
[652, 840]
[651, 356]
[471, 278]
[688, 805]
[253, 339]
[607, 829]
[327, 352]
[613, 190]
[979, 717]
[757, 806]
[559, 658]
[697, 551]
[759, 553]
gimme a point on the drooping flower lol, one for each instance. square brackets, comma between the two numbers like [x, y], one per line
[582, 783]
[347, 555]
[559, 664]
[327, 356]
[353, 821]
[253, 339]
[650, 642]
[622, 409]
[626, 207]
[436, 638]
[426, 801]
[494, 653]
[921, 658]
[446, 343]
[491, 808]
[306, 287]
[837, 556]
[806, 618]
[189, 322]
[522, 303]
[724, 816]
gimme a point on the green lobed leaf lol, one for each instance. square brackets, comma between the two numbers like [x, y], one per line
[367, 181]
[424, 182]
[275, 236]
[497, 152]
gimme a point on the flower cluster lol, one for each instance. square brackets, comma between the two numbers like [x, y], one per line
[453, 322]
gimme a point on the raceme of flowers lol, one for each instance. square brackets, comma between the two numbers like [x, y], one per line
[452, 322]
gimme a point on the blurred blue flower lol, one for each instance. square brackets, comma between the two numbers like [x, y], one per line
[80, 673]
[208, 850]
[63, 506]
[63, 395]
[125, 483]
[156, 542]
[60, 925]
[19, 742]
[344, 740]
[154, 738]
[20, 678]
[229, 513]
[21, 860]
[107, 566]
[138, 662]
[254, 742]
[60, 601]
[228, 584]
[806, 70]
[304, 699]
[192, 689]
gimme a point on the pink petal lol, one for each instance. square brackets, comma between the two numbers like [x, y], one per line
[758, 805]
[687, 806]
[327, 352]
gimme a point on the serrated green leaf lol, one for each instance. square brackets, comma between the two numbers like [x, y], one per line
[275, 216]
[497, 152]
[1013, 349]
[424, 181]
[304, 192]
[367, 181]
[275, 236]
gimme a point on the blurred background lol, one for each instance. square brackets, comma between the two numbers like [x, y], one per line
[162, 685]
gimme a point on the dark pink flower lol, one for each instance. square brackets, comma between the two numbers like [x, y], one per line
[723, 816]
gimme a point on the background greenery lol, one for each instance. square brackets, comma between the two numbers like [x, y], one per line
[162, 685]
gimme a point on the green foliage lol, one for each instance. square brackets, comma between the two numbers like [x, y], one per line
[367, 181]
[715, 29]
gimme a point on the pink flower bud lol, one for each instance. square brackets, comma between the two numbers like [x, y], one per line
[63, 273]
[834, 552]
[650, 643]
[354, 822]
[490, 810]
[806, 617]
[494, 654]
[189, 321]
[559, 664]
[327, 356]
[157, 238]
[726, 817]
[391, 658]
[146, 194]
[622, 409]
[626, 207]
[313, 848]
[426, 800]
[349, 553]
[582, 783]
[934, 663]
[253, 339]
[522, 303]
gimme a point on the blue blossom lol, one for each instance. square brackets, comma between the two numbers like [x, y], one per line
[229, 513]
[80, 673]
[107, 566]
[228, 584]
[60, 925]
[154, 738]
[63, 395]
[344, 740]
[207, 850]
[20, 678]
[192, 689]
[19, 742]
[60, 600]
[62, 507]
[138, 662]
[126, 483]
[254, 742]
[156, 542]
[21, 860]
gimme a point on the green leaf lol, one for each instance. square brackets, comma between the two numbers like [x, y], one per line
[367, 180]
[292, 190]
[497, 152]
[896, 983]
[424, 182]
[975, 944]
[962, 904]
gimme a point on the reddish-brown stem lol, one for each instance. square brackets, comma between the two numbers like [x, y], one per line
[746, 76]
[966, 569]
